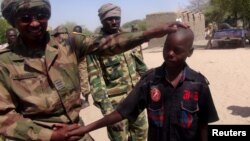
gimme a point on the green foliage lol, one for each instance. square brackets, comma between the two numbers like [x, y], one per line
[214, 13]
[97, 30]
[220, 10]
[3, 27]
[141, 25]
[197, 5]
[71, 25]
[86, 31]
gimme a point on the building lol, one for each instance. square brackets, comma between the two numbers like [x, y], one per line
[195, 20]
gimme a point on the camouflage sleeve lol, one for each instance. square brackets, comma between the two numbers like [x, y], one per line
[141, 67]
[98, 86]
[107, 45]
[12, 124]
[77, 45]
[84, 81]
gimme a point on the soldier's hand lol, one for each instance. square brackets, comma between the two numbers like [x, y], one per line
[117, 126]
[60, 132]
[164, 29]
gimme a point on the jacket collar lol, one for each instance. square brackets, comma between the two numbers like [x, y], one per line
[23, 53]
[102, 32]
[160, 73]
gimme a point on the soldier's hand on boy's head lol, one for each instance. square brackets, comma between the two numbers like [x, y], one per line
[164, 29]
[179, 24]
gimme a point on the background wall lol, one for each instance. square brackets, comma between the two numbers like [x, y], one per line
[195, 20]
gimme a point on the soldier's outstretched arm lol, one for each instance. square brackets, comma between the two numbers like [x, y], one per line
[121, 42]
[118, 43]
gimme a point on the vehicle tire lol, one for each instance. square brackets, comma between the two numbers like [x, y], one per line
[243, 42]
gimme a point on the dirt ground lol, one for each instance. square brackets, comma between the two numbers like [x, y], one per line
[227, 70]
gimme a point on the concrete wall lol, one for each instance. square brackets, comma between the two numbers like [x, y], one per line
[195, 20]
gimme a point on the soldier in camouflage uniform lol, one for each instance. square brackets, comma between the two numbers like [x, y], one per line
[84, 81]
[119, 74]
[39, 83]
[11, 36]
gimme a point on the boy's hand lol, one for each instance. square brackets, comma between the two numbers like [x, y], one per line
[60, 132]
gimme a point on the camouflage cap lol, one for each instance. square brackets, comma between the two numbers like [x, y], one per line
[59, 30]
[9, 8]
[109, 10]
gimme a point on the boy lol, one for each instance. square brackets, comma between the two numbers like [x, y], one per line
[177, 98]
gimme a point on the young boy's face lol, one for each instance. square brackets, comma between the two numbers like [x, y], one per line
[177, 47]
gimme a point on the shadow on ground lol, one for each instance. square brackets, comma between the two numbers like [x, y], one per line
[240, 111]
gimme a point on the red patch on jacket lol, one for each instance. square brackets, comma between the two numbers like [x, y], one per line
[186, 95]
[196, 96]
[155, 94]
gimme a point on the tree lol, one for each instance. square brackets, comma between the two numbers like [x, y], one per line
[213, 13]
[86, 31]
[228, 10]
[197, 5]
[141, 25]
[71, 25]
[97, 30]
[4, 25]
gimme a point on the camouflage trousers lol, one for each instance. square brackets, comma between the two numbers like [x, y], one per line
[132, 131]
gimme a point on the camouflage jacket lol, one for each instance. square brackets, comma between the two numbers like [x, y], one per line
[114, 75]
[41, 87]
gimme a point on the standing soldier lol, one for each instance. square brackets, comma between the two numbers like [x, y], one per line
[11, 35]
[84, 81]
[119, 75]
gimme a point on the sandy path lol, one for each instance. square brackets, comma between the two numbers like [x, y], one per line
[228, 71]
